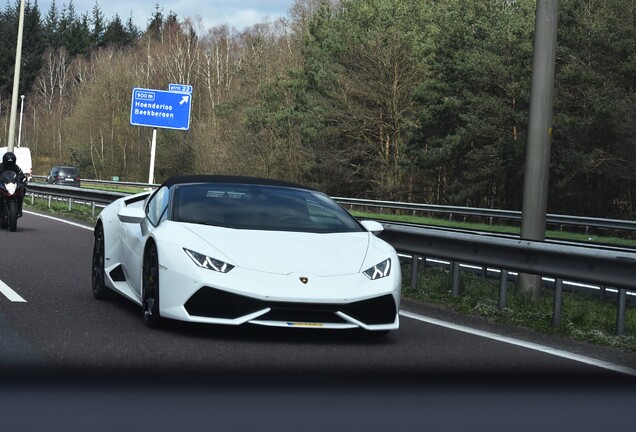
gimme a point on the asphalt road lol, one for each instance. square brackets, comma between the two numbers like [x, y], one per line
[58, 343]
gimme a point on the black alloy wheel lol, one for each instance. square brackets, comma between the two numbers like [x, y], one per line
[150, 288]
[100, 291]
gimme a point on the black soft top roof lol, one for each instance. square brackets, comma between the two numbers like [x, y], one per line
[228, 179]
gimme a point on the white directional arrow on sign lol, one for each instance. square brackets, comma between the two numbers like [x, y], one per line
[184, 99]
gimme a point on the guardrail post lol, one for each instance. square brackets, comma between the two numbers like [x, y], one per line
[414, 260]
[601, 294]
[621, 300]
[558, 300]
[503, 288]
[455, 278]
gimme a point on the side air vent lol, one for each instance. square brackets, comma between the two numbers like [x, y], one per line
[117, 274]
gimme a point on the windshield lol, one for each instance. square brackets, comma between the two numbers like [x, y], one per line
[71, 172]
[8, 176]
[258, 207]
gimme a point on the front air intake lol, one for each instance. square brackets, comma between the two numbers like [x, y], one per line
[214, 303]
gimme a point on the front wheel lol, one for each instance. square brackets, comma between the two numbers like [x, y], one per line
[100, 291]
[150, 288]
[13, 215]
[4, 220]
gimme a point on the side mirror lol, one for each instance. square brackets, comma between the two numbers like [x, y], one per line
[374, 227]
[131, 214]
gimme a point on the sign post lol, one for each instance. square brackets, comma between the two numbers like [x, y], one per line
[153, 152]
[161, 109]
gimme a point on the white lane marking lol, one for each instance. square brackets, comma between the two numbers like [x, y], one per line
[4, 288]
[10, 294]
[75, 224]
[523, 344]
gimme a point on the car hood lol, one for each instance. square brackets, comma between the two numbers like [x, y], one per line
[285, 252]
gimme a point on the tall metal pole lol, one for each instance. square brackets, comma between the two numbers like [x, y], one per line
[535, 187]
[153, 151]
[21, 111]
[16, 80]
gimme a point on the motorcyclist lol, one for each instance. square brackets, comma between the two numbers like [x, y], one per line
[9, 164]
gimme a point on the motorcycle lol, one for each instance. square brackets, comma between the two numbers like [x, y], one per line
[12, 190]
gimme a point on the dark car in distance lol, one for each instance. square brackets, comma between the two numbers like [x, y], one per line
[64, 175]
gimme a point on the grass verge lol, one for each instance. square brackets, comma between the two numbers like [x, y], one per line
[60, 208]
[583, 317]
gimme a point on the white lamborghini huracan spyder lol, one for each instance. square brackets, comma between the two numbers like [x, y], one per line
[237, 250]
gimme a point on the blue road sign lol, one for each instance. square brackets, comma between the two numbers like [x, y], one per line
[180, 88]
[160, 109]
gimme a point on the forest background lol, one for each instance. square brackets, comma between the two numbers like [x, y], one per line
[404, 100]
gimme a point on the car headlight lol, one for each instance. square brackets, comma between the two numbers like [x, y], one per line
[380, 270]
[207, 262]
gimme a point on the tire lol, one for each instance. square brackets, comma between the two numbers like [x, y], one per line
[150, 288]
[13, 215]
[100, 290]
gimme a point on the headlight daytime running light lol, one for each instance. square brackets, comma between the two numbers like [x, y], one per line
[380, 270]
[207, 262]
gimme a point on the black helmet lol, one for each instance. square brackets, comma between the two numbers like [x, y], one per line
[8, 160]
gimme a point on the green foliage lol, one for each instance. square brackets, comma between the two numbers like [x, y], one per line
[8, 36]
[81, 212]
[583, 317]
[595, 107]
[115, 33]
[99, 26]
[402, 100]
[33, 46]
[364, 60]
[471, 131]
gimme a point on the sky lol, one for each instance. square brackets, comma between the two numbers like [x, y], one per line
[235, 13]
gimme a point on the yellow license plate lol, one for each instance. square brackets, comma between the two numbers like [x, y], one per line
[303, 324]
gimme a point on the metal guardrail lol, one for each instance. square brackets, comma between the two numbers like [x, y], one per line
[551, 219]
[76, 193]
[575, 263]
[451, 211]
[605, 267]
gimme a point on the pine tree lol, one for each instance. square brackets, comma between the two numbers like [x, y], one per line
[98, 23]
[33, 47]
[115, 34]
[155, 25]
[52, 35]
